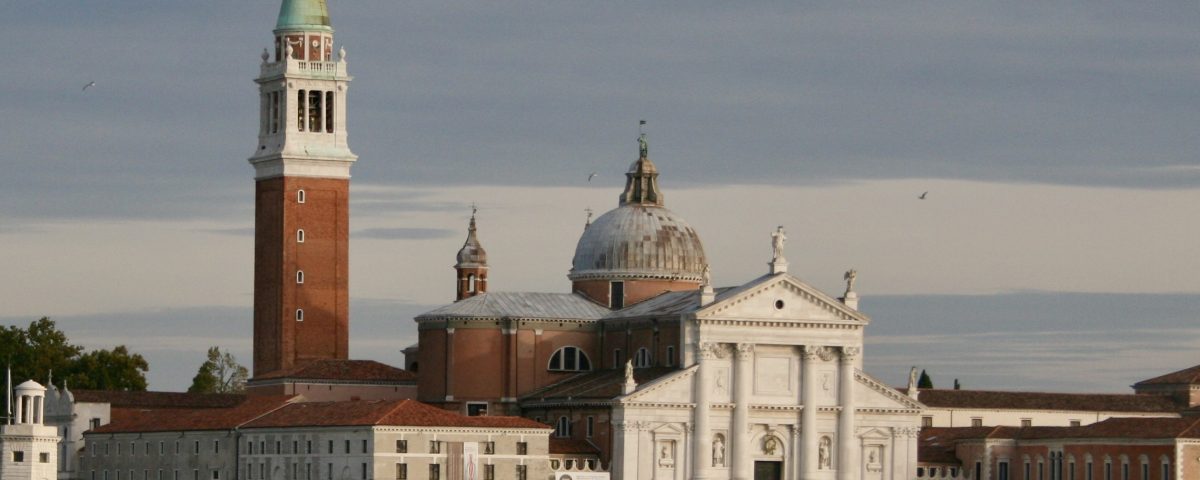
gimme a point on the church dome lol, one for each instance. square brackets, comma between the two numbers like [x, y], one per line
[640, 239]
[637, 241]
[472, 253]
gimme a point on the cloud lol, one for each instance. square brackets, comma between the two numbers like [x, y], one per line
[404, 233]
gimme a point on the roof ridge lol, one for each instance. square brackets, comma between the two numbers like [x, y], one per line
[268, 412]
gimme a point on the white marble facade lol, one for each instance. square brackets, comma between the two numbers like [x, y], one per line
[756, 358]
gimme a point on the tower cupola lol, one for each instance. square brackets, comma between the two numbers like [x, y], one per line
[471, 266]
[303, 15]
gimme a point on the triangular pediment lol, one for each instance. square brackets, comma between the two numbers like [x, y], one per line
[782, 297]
[673, 388]
[873, 393]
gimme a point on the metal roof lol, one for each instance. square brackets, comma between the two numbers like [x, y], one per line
[301, 14]
[554, 306]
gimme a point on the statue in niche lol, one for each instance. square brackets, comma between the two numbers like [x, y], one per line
[664, 455]
[873, 463]
[770, 445]
[823, 454]
[718, 450]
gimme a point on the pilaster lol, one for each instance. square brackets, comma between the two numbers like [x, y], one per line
[848, 450]
[808, 415]
[742, 467]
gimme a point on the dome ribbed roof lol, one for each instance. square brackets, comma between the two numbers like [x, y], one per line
[639, 241]
[303, 14]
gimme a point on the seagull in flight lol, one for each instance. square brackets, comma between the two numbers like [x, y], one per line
[591, 176]
[89, 85]
[922, 197]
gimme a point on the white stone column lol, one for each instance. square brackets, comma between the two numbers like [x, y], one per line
[808, 416]
[701, 434]
[848, 448]
[741, 468]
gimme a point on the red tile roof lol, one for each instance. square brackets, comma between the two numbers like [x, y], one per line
[158, 399]
[1187, 376]
[406, 413]
[128, 420]
[571, 446]
[352, 370]
[1091, 402]
[937, 443]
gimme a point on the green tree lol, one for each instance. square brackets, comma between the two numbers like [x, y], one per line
[925, 381]
[115, 369]
[221, 373]
[38, 350]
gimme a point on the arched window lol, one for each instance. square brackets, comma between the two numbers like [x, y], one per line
[299, 276]
[471, 282]
[1166, 468]
[299, 314]
[569, 359]
[563, 427]
[300, 236]
[642, 358]
[300, 196]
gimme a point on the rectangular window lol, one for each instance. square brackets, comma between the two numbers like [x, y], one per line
[435, 471]
[1026, 422]
[1088, 470]
[308, 471]
[364, 446]
[617, 363]
[1124, 471]
[590, 425]
[217, 446]
[926, 421]
[278, 447]
[1076, 423]
[262, 471]
[489, 448]
[435, 446]
[977, 422]
[1107, 471]
[196, 447]
[147, 450]
[162, 448]
[93, 424]
[617, 295]
[1041, 471]
[329, 472]
[401, 446]
[18, 455]
[401, 471]
[177, 447]
[489, 472]
[522, 448]
[44, 457]
[329, 112]
[216, 475]
[1146, 471]
[315, 99]
[347, 447]
[331, 447]
[301, 109]
[475, 409]
[132, 449]
[195, 474]
[670, 356]
[308, 446]
[118, 448]
[295, 446]
[175, 475]
[364, 471]
[522, 474]
[1002, 471]
[1166, 471]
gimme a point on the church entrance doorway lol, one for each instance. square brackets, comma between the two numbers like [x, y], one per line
[768, 470]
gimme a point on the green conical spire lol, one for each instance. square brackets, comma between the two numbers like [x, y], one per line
[303, 14]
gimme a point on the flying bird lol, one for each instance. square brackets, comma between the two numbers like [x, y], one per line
[922, 197]
[591, 176]
[89, 85]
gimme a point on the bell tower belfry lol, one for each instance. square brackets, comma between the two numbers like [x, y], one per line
[302, 175]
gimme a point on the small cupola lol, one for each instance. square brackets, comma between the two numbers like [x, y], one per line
[30, 403]
[471, 266]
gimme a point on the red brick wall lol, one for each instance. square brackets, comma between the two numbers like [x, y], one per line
[280, 342]
[635, 290]
[431, 378]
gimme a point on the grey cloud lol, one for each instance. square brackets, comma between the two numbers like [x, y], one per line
[403, 233]
[529, 94]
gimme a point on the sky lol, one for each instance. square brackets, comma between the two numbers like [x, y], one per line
[1055, 250]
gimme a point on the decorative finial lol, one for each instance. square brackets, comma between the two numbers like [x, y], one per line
[589, 217]
[265, 56]
[474, 209]
[342, 54]
[290, 51]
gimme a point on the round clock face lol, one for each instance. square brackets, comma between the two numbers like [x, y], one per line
[316, 44]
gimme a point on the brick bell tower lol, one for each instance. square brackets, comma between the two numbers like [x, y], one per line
[302, 174]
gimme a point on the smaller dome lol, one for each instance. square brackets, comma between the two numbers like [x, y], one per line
[30, 385]
[472, 253]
